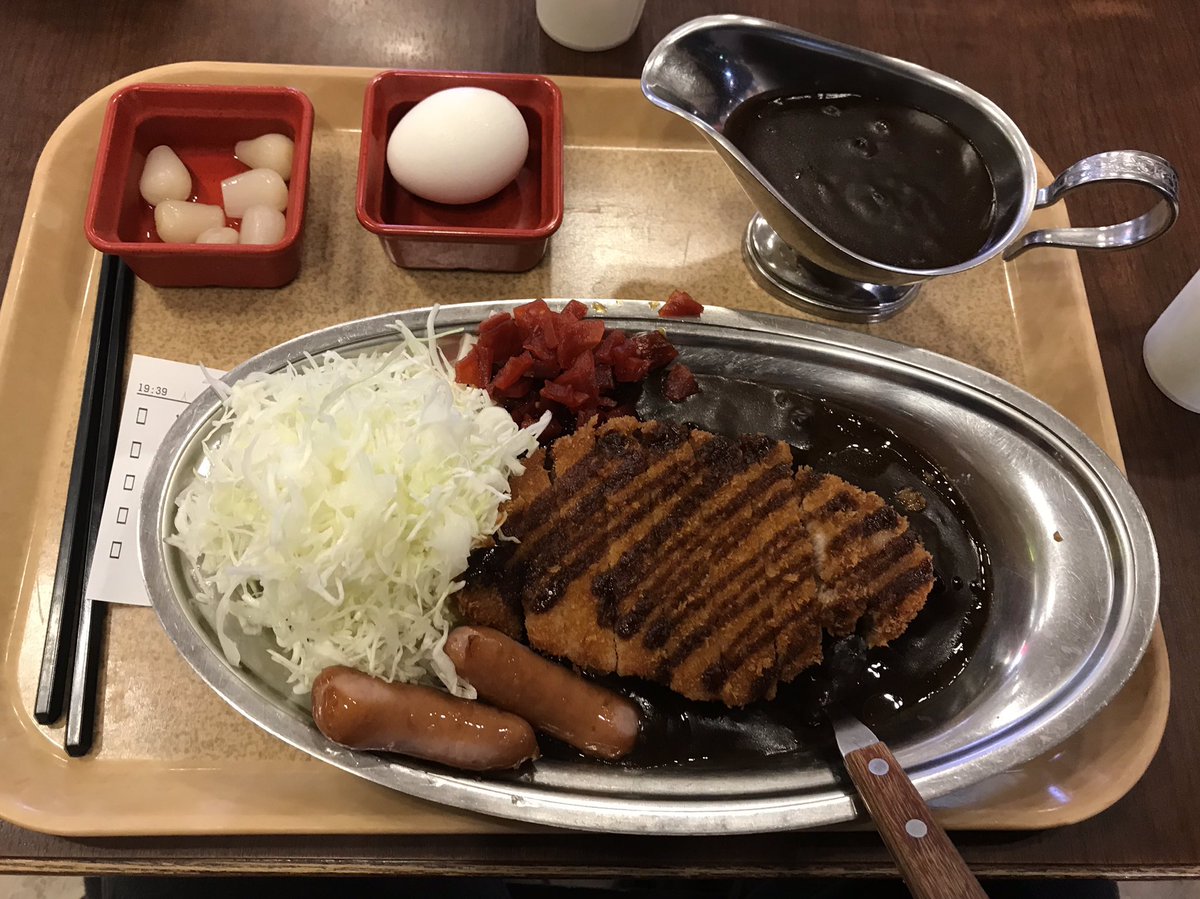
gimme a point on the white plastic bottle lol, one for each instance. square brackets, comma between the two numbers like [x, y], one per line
[590, 24]
[1172, 348]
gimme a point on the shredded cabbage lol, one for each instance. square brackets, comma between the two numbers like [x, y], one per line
[339, 508]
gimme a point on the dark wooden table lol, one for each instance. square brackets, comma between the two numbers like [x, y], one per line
[1077, 75]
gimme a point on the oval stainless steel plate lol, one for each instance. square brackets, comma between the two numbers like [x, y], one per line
[1070, 618]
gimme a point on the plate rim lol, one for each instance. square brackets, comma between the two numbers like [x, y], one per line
[626, 814]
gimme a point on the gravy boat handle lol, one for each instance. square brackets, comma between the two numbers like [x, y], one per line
[1131, 166]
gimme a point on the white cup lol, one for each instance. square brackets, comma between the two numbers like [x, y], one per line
[590, 24]
[1172, 348]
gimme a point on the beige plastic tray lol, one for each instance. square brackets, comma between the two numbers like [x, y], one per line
[649, 208]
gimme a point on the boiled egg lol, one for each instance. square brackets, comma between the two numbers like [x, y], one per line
[458, 146]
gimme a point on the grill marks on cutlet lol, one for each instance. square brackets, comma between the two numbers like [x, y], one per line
[645, 484]
[709, 625]
[870, 564]
[727, 644]
[635, 569]
[653, 471]
[892, 607]
[668, 598]
[702, 562]
[711, 534]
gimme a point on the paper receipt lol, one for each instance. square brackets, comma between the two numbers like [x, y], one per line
[158, 391]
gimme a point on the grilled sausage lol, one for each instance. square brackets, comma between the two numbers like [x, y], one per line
[552, 698]
[364, 712]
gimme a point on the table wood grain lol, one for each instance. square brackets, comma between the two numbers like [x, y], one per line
[1078, 76]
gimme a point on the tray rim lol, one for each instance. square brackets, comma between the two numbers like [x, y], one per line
[976, 814]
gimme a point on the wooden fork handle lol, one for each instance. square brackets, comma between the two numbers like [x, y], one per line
[928, 861]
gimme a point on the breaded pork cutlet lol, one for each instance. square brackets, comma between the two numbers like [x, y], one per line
[698, 561]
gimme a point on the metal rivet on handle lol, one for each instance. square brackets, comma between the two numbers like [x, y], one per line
[916, 827]
[878, 767]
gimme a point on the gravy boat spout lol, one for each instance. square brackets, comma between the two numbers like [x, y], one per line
[705, 69]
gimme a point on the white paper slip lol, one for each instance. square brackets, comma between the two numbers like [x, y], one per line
[158, 391]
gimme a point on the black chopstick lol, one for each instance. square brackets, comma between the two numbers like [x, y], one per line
[89, 632]
[69, 584]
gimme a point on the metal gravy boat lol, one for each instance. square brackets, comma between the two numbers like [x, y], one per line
[706, 68]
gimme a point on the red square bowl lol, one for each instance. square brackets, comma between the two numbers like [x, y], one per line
[505, 233]
[201, 123]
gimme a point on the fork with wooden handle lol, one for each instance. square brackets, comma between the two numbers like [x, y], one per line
[928, 861]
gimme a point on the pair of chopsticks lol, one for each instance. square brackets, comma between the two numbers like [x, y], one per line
[75, 625]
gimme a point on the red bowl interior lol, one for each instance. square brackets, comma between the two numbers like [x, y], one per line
[530, 208]
[201, 123]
